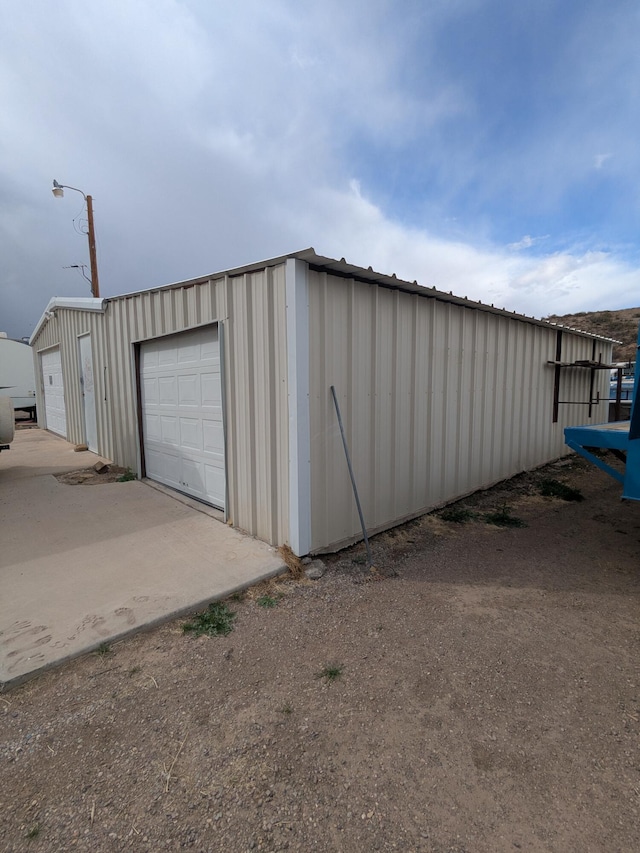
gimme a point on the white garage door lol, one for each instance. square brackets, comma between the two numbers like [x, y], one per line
[54, 411]
[182, 413]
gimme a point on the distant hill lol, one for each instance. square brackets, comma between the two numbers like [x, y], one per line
[621, 325]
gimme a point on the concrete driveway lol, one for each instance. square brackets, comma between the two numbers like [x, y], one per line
[85, 565]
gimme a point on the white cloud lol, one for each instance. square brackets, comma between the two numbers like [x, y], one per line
[600, 159]
[527, 242]
[347, 224]
[208, 141]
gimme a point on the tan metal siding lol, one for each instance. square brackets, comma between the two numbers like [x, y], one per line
[252, 309]
[437, 399]
[63, 329]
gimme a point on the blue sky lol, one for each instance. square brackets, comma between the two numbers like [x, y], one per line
[487, 147]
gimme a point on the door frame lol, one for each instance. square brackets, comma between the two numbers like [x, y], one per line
[45, 351]
[136, 348]
[80, 337]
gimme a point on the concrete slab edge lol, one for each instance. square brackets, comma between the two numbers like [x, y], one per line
[139, 629]
[175, 495]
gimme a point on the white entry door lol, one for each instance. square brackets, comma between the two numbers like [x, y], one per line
[53, 385]
[181, 391]
[88, 392]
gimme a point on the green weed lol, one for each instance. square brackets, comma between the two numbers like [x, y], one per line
[331, 672]
[502, 518]
[215, 620]
[457, 514]
[127, 476]
[34, 831]
[103, 650]
[267, 601]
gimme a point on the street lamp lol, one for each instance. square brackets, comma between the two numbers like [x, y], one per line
[58, 191]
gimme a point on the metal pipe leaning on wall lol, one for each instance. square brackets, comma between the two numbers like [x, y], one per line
[353, 479]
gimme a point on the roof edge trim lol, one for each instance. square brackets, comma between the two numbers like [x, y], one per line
[331, 265]
[79, 303]
[344, 269]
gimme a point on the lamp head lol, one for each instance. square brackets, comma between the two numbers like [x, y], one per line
[57, 189]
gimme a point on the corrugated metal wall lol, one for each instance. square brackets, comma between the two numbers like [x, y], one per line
[63, 329]
[251, 308]
[438, 400]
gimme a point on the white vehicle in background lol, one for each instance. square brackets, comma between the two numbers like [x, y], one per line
[17, 375]
[7, 423]
[627, 381]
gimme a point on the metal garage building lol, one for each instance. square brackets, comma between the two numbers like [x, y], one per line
[220, 387]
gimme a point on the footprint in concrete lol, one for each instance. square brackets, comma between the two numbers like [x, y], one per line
[85, 622]
[28, 646]
[20, 630]
[93, 623]
[126, 614]
[33, 660]
[97, 623]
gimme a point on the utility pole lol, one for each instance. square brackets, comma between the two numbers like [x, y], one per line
[58, 191]
[95, 286]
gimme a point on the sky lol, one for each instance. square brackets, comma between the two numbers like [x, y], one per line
[484, 147]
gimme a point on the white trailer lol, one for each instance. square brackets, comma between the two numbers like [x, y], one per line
[17, 374]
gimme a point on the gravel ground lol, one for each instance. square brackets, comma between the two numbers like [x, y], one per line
[486, 698]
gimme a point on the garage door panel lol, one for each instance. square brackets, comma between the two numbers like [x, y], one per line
[193, 476]
[213, 437]
[167, 390]
[188, 354]
[151, 391]
[182, 413]
[214, 480]
[166, 354]
[210, 350]
[163, 466]
[210, 390]
[169, 430]
[191, 433]
[151, 358]
[152, 428]
[189, 390]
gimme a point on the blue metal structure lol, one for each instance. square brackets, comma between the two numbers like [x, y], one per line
[620, 437]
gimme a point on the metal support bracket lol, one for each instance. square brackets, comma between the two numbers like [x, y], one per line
[591, 457]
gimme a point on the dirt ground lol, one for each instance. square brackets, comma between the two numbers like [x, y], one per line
[486, 698]
[91, 477]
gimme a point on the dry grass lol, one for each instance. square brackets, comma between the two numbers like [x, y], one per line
[272, 588]
[293, 563]
[167, 771]
[434, 525]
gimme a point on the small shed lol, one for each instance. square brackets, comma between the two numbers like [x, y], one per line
[219, 387]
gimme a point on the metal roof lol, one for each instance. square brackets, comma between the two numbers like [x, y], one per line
[322, 263]
[343, 268]
[80, 303]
